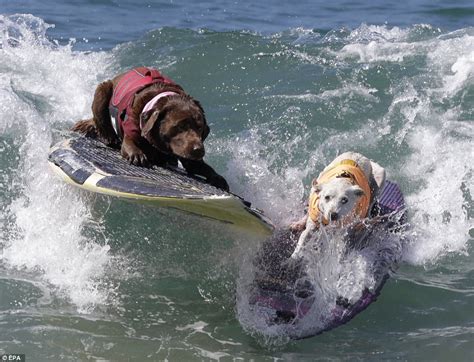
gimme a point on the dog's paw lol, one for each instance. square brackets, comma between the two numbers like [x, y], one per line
[295, 256]
[295, 259]
[133, 154]
[137, 158]
[219, 182]
[297, 253]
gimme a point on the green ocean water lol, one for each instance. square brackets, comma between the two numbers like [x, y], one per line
[88, 277]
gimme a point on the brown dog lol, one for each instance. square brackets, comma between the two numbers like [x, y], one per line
[152, 120]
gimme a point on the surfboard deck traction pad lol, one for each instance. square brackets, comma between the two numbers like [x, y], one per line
[87, 155]
[81, 157]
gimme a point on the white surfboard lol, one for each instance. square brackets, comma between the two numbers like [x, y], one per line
[90, 165]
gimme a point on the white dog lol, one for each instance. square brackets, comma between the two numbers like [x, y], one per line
[345, 190]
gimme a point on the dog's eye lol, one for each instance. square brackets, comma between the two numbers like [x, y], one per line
[179, 128]
[327, 197]
[344, 200]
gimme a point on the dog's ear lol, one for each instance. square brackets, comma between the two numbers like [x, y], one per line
[357, 191]
[148, 121]
[315, 186]
[199, 106]
[205, 131]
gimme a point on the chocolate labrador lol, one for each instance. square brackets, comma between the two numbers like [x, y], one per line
[152, 120]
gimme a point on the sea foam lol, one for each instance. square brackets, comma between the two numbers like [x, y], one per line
[45, 88]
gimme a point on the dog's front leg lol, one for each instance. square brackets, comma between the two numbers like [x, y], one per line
[203, 169]
[132, 153]
[299, 225]
[305, 235]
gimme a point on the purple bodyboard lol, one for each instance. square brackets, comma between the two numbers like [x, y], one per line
[281, 302]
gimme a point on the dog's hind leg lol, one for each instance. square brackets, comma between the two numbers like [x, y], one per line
[86, 127]
[101, 114]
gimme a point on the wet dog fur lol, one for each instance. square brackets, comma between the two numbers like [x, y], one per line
[338, 197]
[175, 129]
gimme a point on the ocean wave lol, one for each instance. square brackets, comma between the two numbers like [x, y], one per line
[46, 87]
[280, 108]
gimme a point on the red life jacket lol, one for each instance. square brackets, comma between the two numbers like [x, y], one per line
[120, 105]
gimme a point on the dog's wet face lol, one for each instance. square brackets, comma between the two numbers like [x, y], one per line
[338, 199]
[180, 127]
[184, 130]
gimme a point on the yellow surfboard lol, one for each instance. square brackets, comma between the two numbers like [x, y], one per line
[90, 165]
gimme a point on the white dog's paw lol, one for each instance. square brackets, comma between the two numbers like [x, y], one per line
[299, 252]
[296, 254]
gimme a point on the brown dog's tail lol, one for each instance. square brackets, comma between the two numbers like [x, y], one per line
[86, 127]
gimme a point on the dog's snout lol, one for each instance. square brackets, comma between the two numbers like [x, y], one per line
[334, 216]
[197, 151]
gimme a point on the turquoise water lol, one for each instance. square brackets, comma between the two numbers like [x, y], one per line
[285, 89]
